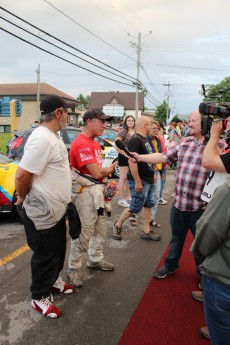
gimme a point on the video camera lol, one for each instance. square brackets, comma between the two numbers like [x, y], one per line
[211, 111]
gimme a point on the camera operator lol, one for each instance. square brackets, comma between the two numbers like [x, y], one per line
[212, 245]
[212, 159]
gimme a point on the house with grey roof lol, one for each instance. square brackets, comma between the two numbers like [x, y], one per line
[117, 103]
[26, 93]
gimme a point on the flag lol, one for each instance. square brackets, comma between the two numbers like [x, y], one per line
[172, 114]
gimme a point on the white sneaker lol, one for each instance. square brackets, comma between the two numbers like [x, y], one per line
[162, 202]
[123, 203]
[45, 307]
[61, 286]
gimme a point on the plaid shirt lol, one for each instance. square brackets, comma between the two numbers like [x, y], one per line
[191, 176]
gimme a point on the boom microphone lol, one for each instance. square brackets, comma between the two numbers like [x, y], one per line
[122, 147]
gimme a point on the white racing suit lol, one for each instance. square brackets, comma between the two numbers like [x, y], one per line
[88, 198]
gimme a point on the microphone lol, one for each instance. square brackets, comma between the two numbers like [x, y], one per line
[122, 147]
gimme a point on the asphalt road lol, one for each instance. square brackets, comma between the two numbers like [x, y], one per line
[99, 312]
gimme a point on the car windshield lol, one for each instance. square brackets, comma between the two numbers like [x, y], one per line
[4, 159]
[110, 134]
[72, 134]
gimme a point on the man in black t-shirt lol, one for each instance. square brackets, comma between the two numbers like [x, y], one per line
[141, 183]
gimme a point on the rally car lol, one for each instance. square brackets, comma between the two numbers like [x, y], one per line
[15, 146]
[8, 168]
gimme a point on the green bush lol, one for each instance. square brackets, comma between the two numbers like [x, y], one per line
[4, 138]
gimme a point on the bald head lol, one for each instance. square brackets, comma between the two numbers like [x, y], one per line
[194, 122]
[143, 125]
[195, 114]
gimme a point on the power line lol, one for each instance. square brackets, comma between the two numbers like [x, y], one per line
[106, 15]
[54, 45]
[207, 69]
[151, 83]
[59, 57]
[153, 98]
[151, 101]
[101, 39]
[139, 19]
[59, 40]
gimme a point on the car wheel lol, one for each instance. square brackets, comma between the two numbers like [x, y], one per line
[17, 210]
[116, 172]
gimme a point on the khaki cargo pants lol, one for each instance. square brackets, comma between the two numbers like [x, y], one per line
[93, 230]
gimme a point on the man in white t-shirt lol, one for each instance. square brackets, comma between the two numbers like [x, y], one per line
[43, 185]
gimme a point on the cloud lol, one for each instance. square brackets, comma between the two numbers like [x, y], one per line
[184, 34]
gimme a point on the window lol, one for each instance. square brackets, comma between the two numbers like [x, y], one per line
[5, 129]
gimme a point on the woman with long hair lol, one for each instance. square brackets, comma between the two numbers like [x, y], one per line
[124, 135]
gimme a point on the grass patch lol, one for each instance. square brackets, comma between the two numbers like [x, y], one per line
[4, 138]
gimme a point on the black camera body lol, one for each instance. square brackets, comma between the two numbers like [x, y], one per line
[209, 112]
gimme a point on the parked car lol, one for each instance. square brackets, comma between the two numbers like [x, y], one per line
[110, 134]
[15, 146]
[8, 168]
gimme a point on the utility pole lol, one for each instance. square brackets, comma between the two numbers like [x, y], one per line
[167, 95]
[38, 94]
[138, 75]
[138, 46]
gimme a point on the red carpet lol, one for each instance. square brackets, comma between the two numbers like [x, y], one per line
[167, 314]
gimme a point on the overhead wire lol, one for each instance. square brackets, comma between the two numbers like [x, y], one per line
[101, 39]
[153, 98]
[59, 40]
[151, 101]
[61, 58]
[54, 45]
[134, 14]
[151, 83]
[106, 15]
[201, 68]
[141, 86]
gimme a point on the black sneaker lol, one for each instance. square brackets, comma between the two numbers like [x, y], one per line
[117, 232]
[162, 273]
[150, 236]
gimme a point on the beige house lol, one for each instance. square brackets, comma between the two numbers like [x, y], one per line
[117, 104]
[27, 94]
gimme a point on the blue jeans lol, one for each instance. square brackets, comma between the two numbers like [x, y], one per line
[217, 310]
[181, 222]
[144, 198]
[157, 187]
[163, 182]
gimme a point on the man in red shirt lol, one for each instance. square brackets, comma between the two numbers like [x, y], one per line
[88, 184]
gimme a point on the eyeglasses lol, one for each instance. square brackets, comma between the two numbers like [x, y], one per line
[156, 128]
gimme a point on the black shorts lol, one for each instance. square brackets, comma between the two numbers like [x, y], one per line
[122, 161]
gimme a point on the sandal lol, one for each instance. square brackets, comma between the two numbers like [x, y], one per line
[133, 220]
[153, 223]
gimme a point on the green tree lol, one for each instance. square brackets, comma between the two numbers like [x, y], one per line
[83, 99]
[215, 91]
[175, 118]
[161, 111]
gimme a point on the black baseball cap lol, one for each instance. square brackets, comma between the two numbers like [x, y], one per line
[51, 103]
[95, 113]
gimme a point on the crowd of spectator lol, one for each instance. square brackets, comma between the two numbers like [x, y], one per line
[149, 151]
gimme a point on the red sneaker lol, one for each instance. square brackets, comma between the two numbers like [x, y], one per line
[45, 307]
[61, 286]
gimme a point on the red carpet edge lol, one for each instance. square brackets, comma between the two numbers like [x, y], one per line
[167, 314]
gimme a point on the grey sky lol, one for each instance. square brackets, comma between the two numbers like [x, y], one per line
[189, 45]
